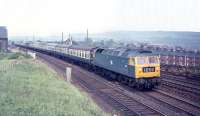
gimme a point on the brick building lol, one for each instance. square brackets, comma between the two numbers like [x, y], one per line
[3, 39]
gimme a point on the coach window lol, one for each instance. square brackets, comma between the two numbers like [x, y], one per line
[79, 53]
[66, 51]
[74, 52]
[70, 51]
[63, 50]
[86, 55]
[83, 54]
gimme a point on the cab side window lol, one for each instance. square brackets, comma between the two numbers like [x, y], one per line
[132, 61]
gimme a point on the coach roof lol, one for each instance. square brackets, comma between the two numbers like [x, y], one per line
[82, 47]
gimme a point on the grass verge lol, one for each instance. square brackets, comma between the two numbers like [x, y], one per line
[29, 88]
[10, 56]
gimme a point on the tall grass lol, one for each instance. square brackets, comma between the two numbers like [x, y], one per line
[30, 88]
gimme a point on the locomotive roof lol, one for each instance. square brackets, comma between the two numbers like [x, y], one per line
[124, 52]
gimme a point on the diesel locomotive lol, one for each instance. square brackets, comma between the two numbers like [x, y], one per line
[137, 68]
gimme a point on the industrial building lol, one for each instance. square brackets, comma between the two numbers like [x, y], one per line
[3, 39]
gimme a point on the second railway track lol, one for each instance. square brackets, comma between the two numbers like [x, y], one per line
[181, 86]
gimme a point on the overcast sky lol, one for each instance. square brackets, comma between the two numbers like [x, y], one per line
[43, 17]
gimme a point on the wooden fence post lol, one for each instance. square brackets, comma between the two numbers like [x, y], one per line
[68, 74]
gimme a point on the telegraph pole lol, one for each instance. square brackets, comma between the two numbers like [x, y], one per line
[69, 35]
[62, 38]
[33, 37]
[87, 34]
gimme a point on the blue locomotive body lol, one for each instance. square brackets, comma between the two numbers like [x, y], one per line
[114, 63]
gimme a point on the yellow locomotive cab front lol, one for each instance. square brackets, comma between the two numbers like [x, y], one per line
[147, 67]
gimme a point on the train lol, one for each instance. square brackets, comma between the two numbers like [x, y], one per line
[137, 68]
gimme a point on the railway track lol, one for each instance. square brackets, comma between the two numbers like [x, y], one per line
[191, 77]
[121, 102]
[181, 86]
[181, 79]
[169, 101]
[125, 100]
[184, 87]
[181, 106]
[179, 93]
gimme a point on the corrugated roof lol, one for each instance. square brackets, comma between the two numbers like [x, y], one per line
[3, 32]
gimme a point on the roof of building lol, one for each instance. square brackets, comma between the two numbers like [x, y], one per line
[3, 32]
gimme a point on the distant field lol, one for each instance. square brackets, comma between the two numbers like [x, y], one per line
[30, 88]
